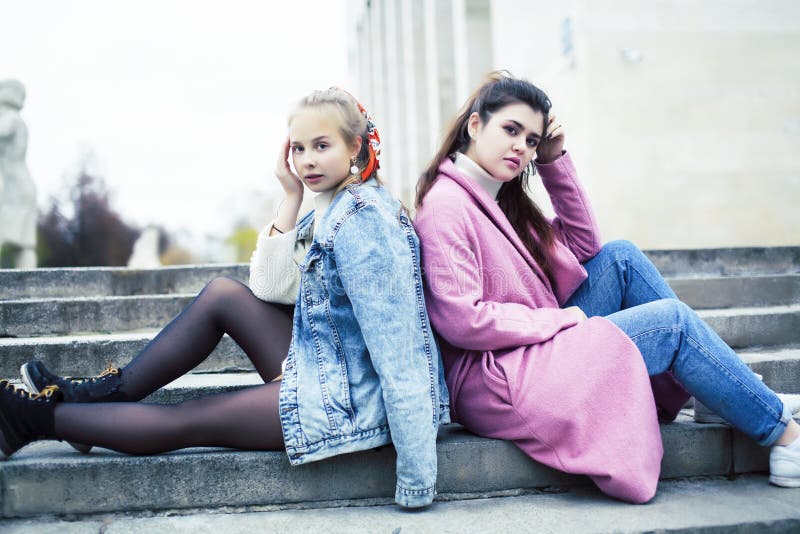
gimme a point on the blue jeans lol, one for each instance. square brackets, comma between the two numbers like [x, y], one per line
[626, 288]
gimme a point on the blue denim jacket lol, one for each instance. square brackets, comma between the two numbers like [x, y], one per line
[363, 361]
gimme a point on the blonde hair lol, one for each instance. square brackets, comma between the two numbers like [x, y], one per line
[352, 124]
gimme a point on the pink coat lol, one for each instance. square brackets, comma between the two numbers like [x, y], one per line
[576, 397]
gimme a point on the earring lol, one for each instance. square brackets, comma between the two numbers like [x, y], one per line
[353, 166]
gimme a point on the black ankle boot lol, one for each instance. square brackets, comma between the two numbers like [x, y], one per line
[101, 388]
[25, 417]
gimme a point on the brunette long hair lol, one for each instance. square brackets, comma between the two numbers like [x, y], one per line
[500, 90]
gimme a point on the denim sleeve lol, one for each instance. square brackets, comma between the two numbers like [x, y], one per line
[379, 270]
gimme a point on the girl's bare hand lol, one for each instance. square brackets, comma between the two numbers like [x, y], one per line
[290, 182]
[577, 312]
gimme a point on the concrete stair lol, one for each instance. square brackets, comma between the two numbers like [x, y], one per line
[712, 504]
[80, 320]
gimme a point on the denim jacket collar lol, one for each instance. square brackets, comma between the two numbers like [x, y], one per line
[305, 226]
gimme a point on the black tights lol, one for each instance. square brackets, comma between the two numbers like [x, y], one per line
[245, 419]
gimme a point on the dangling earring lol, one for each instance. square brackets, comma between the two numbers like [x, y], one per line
[353, 166]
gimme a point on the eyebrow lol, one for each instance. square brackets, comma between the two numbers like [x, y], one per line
[313, 140]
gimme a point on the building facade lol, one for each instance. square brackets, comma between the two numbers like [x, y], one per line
[683, 116]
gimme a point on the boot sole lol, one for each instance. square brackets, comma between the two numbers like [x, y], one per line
[26, 378]
[784, 482]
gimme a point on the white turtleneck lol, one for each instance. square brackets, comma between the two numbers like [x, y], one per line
[477, 174]
[321, 203]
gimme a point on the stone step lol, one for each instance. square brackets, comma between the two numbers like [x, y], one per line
[50, 477]
[699, 293]
[726, 261]
[87, 355]
[740, 327]
[112, 281]
[710, 292]
[708, 504]
[195, 385]
[84, 356]
[121, 281]
[780, 367]
[748, 327]
[60, 316]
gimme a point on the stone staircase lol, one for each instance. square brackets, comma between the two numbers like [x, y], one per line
[80, 320]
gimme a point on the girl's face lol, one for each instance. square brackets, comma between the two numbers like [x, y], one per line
[507, 142]
[320, 154]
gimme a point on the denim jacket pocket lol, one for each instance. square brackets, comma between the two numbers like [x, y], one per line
[312, 277]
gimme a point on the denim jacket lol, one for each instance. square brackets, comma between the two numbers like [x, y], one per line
[363, 368]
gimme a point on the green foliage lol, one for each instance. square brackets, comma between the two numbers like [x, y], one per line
[243, 239]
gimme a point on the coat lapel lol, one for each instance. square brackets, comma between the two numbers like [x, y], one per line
[492, 210]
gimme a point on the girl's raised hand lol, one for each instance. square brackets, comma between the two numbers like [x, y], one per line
[290, 182]
[551, 147]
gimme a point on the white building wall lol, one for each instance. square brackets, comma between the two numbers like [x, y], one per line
[682, 115]
[412, 86]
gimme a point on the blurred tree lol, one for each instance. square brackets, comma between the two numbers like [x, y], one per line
[94, 235]
[243, 239]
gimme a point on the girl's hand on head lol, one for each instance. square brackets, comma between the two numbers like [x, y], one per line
[290, 182]
[551, 147]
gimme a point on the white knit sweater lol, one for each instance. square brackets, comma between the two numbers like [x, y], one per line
[274, 273]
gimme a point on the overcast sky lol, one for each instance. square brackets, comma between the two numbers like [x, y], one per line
[182, 103]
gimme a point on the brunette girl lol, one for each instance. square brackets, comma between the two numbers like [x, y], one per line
[509, 292]
[360, 359]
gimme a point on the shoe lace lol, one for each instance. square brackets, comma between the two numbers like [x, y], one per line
[108, 372]
[45, 393]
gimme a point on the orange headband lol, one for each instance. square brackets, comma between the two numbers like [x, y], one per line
[373, 140]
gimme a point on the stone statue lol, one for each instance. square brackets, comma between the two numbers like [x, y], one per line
[18, 210]
[145, 250]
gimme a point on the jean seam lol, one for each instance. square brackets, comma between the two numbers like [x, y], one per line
[647, 282]
[674, 328]
[701, 348]
[717, 363]
[593, 280]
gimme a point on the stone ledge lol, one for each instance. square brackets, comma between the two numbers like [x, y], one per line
[708, 504]
[87, 355]
[111, 281]
[739, 327]
[51, 478]
[737, 291]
